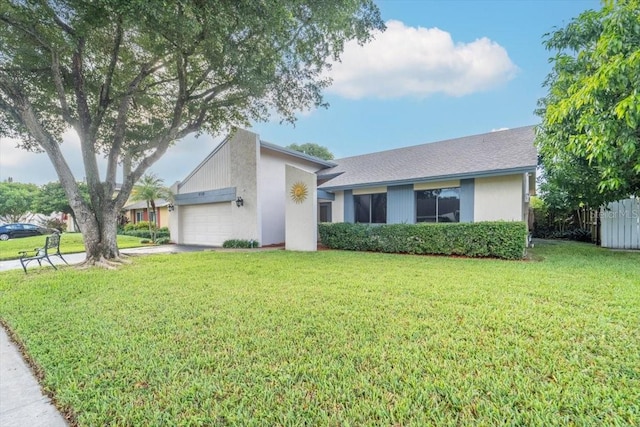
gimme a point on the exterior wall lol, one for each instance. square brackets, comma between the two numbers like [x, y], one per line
[174, 225]
[273, 192]
[369, 190]
[349, 208]
[620, 224]
[162, 213]
[467, 199]
[436, 184]
[499, 198]
[244, 168]
[301, 220]
[214, 171]
[401, 204]
[337, 207]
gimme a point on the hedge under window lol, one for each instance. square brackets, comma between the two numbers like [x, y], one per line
[371, 208]
[441, 205]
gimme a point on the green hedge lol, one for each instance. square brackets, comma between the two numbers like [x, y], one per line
[144, 234]
[479, 239]
[239, 243]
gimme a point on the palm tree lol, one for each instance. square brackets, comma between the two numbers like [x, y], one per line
[150, 188]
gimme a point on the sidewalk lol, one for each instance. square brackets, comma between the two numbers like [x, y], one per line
[22, 402]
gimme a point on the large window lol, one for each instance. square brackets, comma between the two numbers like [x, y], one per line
[371, 208]
[441, 205]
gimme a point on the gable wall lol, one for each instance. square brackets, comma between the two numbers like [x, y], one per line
[214, 173]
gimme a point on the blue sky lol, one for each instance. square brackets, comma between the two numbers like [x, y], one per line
[443, 69]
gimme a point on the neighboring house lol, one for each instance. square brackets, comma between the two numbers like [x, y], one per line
[239, 190]
[137, 211]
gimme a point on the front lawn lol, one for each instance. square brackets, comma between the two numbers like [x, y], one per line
[69, 243]
[338, 338]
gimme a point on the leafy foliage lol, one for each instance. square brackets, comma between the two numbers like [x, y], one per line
[52, 198]
[240, 244]
[16, 200]
[312, 149]
[481, 239]
[589, 138]
[133, 77]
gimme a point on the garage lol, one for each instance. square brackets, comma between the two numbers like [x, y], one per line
[208, 224]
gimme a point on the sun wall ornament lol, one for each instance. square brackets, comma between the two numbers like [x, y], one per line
[299, 192]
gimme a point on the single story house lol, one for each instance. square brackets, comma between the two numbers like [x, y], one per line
[137, 212]
[240, 191]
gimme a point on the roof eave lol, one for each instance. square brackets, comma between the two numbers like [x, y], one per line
[298, 154]
[468, 175]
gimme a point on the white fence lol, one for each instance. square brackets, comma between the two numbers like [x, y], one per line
[620, 224]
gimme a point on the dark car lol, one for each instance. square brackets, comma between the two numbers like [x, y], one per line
[12, 231]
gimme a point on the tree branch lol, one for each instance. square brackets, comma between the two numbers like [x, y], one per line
[62, 97]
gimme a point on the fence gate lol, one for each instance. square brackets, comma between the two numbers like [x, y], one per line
[620, 223]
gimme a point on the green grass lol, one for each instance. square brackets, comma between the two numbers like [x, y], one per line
[338, 338]
[69, 243]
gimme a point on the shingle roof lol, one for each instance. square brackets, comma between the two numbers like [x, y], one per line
[490, 153]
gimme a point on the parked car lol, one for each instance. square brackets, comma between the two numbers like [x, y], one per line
[13, 231]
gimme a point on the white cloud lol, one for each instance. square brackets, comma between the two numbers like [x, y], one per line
[418, 62]
[498, 129]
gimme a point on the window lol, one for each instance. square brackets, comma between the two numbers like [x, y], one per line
[152, 217]
[371, 208]
[441, 205]
[139, 216]
[325, 212]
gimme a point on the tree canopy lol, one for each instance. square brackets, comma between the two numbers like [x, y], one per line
[133, 77]
[589, 138]
[52, 198]
[312, 149]
[16, 200]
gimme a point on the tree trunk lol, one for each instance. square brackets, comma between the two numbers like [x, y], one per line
[99, 232]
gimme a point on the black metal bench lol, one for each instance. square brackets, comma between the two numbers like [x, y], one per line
[51, 248]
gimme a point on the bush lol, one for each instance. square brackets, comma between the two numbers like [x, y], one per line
[481, 239]
[238, 243]
[145, 241]
[55, 224]
[143, 233]
[142, 225]
[163, 241]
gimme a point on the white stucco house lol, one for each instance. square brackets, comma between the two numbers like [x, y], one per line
[241, 190]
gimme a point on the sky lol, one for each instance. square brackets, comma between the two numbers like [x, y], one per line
[442, 69]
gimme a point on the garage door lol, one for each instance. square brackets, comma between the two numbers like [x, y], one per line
[208, 224]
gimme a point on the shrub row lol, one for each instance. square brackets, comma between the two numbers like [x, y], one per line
[141, 225]
[144, 234]
[238, 243]
[480, 239]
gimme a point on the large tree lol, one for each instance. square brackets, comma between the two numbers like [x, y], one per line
[134, 76]
[589, 138]
[16, 201]
[52, 198]
[312, 149]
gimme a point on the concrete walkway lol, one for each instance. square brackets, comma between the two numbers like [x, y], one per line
[22, 402]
